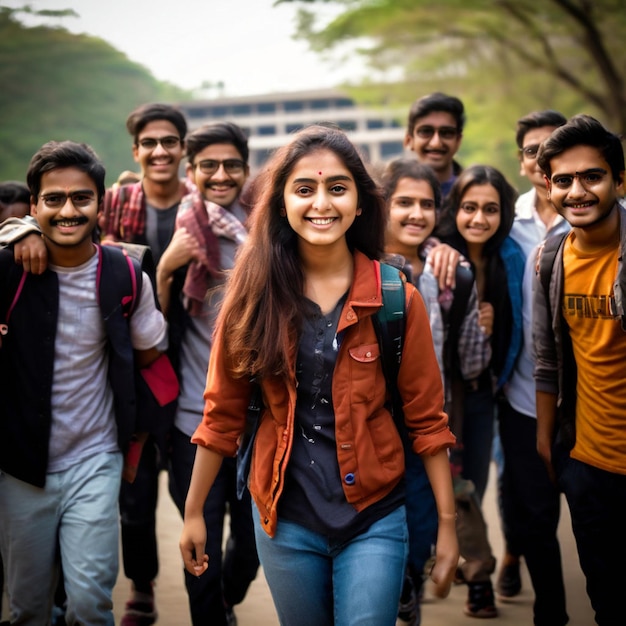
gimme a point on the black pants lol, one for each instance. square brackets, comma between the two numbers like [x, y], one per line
[227, 579]
[138, 503]
[597, 504]
[530, 511]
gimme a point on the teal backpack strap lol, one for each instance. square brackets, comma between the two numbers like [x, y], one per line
[389, 323]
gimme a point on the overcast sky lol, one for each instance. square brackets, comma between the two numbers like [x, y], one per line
[246, 44]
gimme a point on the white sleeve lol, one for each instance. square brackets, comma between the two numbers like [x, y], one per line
[148, 327]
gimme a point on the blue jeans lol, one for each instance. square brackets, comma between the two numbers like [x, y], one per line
[76, 514]
[597, 504]
[318, 582]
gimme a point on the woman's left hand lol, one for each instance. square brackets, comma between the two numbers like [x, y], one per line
[446, 558]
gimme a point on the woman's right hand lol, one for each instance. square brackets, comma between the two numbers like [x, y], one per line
[193, 542]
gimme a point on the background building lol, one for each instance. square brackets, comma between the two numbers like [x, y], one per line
[269, 119]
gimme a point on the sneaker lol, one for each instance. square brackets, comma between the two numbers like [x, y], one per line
[480, 600]
[140, 610]
[509, 583]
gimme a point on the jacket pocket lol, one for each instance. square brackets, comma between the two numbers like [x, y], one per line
[364, 372]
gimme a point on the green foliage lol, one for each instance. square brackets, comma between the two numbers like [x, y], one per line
[503, 58]
[57, 85]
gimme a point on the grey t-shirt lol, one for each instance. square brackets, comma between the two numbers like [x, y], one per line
[195, 348]
[83, 422]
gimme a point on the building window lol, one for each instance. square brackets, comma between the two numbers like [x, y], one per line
[294, 105]
[242, 109]
[318, 105]
[266, 107]
[196, 112]
[374, 124]
[219, 111]
[389, 149]
[266, 130]
[292, 128]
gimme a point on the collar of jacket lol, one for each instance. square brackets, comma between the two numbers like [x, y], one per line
[365, 297]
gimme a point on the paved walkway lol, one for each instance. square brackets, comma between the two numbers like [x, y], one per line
[257, 608]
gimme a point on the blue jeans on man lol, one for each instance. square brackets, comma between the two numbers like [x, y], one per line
[74, 518]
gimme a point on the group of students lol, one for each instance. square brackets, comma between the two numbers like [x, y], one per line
[278, 285]
[192, 228]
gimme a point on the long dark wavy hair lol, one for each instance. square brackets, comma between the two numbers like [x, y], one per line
[495, 274]
[261, 314]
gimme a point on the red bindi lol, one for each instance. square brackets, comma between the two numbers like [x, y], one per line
[320, 173]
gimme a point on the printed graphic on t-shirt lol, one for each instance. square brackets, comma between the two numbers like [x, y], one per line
[589, 306]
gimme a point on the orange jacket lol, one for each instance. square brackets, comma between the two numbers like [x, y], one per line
[369, 449]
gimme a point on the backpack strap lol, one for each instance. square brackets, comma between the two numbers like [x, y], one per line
[125, 288]
[464, 282]
[545, 262]
[16, 297]
[389, 324]
[4, 327]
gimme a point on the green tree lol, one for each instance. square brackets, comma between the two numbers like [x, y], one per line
[504, 58]
[58, 85]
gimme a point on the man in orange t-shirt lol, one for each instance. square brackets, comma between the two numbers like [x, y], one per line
[579, 330]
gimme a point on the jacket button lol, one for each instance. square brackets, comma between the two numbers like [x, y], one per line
[350, 315]
[349, 479]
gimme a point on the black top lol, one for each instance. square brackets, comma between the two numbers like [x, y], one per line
[313, 494]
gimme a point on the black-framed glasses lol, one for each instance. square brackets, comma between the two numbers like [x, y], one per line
[57, 200]
[444, 132]
[150, 143]
[231, 166]
[588, 178]
[530, 152]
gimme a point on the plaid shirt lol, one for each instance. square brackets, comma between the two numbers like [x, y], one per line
[124, 213]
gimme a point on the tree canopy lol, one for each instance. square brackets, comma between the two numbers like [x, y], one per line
[504, 58]
[58, 85]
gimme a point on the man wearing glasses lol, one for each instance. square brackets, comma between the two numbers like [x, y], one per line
[210, 226]
[145, 213]
[579, 338]
[142, 213]
[529, 501]
[434, 133]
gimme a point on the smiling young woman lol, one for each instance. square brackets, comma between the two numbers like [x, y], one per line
[297, 316]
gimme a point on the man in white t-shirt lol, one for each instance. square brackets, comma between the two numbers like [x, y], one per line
[65, 423]
[530, 502]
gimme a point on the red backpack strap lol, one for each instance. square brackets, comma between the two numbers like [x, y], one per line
[4, 327]
[16, 297]
[117, 290]
[133, 282]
